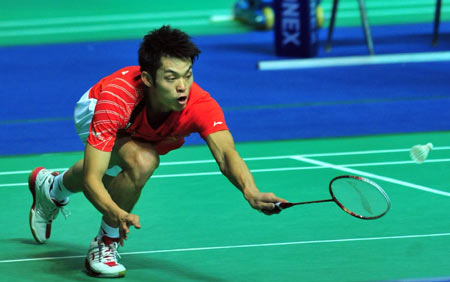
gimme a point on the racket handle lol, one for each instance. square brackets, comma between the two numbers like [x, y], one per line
[282, 206]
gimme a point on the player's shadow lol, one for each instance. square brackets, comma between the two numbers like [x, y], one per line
[182, 272]
[62, 259]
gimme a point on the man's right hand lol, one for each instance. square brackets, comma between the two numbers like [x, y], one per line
[125, 221]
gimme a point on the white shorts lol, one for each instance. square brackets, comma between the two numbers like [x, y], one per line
[83, 113]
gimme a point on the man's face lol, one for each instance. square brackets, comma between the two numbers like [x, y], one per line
[173, 82]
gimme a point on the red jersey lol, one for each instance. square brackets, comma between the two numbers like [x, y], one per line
[119, 93]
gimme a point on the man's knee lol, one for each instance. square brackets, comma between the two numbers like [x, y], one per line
[138, 160]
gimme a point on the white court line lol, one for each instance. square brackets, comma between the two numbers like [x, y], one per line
[198, 174]
[330, 154]
[268, 169]
[27, 171]
[27, 23]
[244, 246]
[99, 27]
[371, 175]
[440, 148]
[354, 61]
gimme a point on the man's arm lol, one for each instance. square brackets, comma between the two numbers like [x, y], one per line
[234, 168]
[95, 166]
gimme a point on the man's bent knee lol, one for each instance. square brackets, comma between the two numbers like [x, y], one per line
[138, 160]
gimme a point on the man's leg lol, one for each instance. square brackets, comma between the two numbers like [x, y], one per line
[73, 177]
[51, 191]
[43, 209]
[138, 161]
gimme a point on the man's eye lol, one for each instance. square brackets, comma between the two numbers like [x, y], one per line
[170, 78]
[189, 75]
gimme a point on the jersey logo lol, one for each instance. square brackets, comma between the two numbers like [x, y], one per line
[98, 135]
[124, 72]
[217, 123]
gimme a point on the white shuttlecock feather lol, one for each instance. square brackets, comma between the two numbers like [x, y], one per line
[419, 153]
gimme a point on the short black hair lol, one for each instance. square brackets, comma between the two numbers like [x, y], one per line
[165, 42]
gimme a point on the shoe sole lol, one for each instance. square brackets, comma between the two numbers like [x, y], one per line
[92, 273]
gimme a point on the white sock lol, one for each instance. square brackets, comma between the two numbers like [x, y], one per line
[107, 230]
[59, 192]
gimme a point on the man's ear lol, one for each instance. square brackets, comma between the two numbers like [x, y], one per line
[147, 79]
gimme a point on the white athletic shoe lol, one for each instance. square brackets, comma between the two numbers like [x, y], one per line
[44, 210]
[101, 260]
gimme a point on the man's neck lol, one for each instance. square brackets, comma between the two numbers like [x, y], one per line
[155, 116]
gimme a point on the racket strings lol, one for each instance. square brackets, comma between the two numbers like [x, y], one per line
[360, 198]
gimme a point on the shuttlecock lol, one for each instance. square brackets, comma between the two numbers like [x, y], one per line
[419, 153]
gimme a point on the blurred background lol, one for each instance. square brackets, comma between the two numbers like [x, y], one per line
[51, 52]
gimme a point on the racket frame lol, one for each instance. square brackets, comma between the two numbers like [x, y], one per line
[283, 206]
[360, 178]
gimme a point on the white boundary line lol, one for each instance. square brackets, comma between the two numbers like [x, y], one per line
[245, 246]
[330, 154]
[371, 175]
[27, 23]
[100, 27]
[354, 61]
[254, 170]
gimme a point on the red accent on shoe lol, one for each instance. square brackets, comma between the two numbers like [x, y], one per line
[54, 173]
[48, 230]
[58, 204]
[32, 187]
[108, 240]
[32, 183]
[111, 263]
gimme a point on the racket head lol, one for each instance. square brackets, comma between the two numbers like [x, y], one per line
[359, 196]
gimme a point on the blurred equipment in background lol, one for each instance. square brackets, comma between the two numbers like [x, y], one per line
[364, 22]
[437, 21]
[296, 28]
[255, 13]
[259, 14]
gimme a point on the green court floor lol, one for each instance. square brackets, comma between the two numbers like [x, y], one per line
[197, 227]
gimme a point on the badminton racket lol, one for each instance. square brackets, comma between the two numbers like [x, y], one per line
[357, 196]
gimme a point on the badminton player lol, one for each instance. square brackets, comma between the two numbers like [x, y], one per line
[127, 120]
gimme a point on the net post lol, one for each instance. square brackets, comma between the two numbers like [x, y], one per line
[295, 29]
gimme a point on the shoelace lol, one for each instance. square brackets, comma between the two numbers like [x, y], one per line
[52, 212]
[107, 253]
[65, 212]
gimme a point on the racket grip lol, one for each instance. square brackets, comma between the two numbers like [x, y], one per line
[282, 206]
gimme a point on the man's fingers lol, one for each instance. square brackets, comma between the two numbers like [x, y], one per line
[136, 222]
[133, 220]
[272, 211]
[123, 236]
[281, 200]
[270, 208]
[271, 198]
[125, 228]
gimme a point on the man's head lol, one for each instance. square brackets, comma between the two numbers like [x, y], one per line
[165, 42]
[166, 56]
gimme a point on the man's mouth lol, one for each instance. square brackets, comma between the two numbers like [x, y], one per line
[182, 100]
